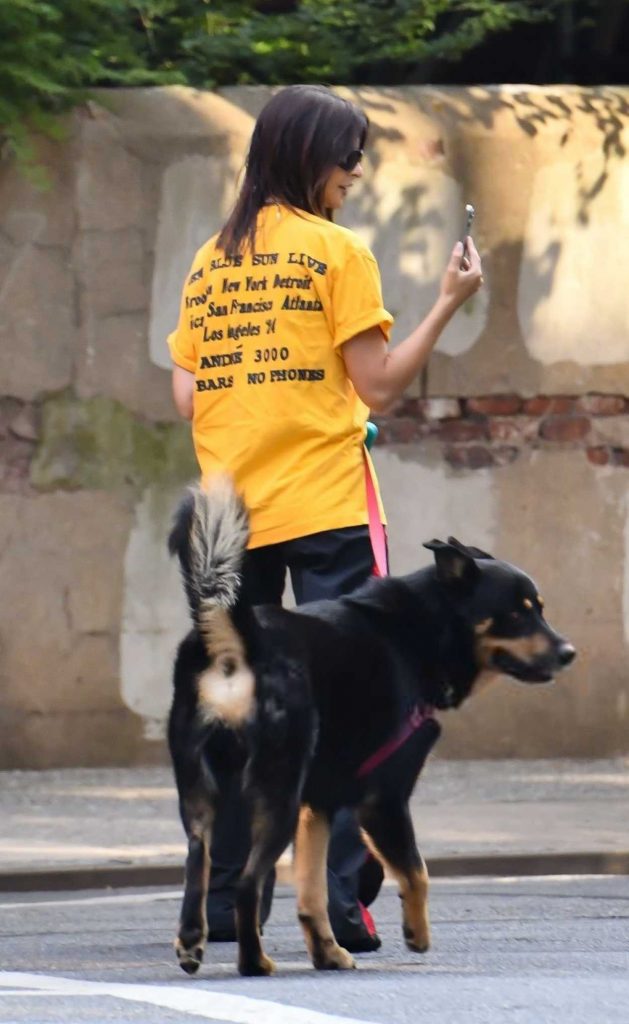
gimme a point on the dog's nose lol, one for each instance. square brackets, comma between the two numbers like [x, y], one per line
[567, 653]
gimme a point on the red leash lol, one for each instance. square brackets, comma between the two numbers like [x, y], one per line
[378, 536]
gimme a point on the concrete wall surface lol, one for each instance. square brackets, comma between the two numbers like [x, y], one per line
[516, 438]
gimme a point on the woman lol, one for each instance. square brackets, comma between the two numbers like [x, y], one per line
[280, 351]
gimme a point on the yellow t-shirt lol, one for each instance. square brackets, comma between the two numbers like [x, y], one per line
[273, 403]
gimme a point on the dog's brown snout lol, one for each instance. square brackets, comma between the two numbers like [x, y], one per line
[567, 653]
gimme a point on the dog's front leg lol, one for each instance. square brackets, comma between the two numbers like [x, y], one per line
[311, 848]
[192, 934]
[388, 832]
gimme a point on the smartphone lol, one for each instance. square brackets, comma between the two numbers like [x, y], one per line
[467, 227]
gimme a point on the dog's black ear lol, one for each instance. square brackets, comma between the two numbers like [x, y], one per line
[474, 552]
[454, 563]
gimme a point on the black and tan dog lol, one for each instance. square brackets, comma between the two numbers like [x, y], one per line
[328, 706]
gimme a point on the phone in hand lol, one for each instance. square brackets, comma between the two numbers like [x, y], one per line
[467, 227]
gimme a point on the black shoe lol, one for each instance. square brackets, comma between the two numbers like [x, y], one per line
[363, 939]
[360, 942]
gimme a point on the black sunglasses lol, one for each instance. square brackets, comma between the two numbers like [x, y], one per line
[351, 160]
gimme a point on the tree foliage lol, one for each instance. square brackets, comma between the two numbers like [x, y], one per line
[53, 51]
[341, 42]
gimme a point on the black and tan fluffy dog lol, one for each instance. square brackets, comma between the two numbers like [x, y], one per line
[328, 706]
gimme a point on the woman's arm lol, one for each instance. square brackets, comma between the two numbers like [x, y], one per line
[183, 391]
[381, 375]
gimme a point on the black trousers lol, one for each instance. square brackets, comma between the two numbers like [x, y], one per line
[322, 565]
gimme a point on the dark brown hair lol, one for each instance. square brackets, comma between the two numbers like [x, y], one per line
[300, 135]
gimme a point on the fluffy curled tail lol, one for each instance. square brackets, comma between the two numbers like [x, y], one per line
[209, 537]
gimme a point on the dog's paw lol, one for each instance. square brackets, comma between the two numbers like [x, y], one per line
[190, 957]
[260, 967]
[417, 941]
[334, 958]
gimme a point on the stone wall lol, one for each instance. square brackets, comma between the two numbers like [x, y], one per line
[516, 438]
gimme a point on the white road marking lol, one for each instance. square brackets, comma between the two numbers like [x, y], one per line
[34, 850]
[200, 1002]
[136, 897]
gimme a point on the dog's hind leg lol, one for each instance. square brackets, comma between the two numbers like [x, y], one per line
[388, 833]
[311, 848]
[272, 829]
[197, 812]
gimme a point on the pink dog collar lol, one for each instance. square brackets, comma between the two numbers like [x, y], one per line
[415, 720]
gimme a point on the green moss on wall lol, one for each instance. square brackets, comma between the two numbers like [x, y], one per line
[97, 443]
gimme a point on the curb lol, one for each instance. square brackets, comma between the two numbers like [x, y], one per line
[575, 863]
[140, 876]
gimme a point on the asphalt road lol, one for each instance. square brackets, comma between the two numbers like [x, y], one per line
[505, 951]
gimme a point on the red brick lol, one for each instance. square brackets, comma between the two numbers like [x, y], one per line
[474, 456]
[495, 405]
[562, 404]
[460, 430]
[536, 406]
[564, 428]
[400, 430]
[602, 405]
[543, 405]
[599, 455]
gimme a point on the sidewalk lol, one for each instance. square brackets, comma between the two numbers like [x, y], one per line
[88, 828]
